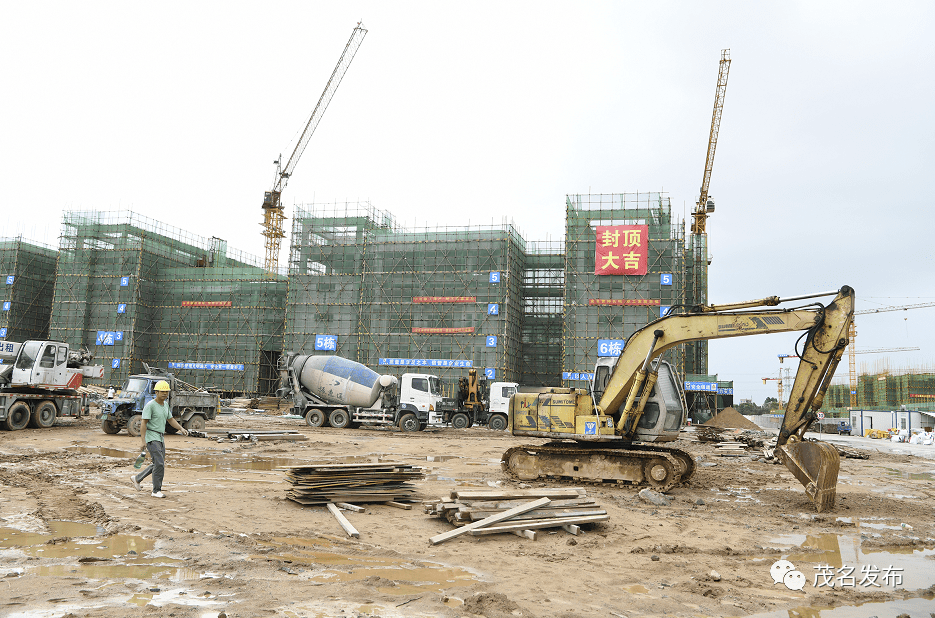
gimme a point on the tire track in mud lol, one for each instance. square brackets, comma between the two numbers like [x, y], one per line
[58, 495]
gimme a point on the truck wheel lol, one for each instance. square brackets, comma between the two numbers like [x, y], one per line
[44, 415]
[338, 418]
[135, 425]
[17, 416]
[314, 418]
[110, 426]
[460, 421]
[195, 423]
[497, 422]
[409, 422]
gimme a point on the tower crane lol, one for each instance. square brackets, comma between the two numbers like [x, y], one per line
[704, 206]
[272, 206]
[852, 336]
[695, 360]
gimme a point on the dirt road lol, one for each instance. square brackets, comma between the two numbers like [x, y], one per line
[77, 539]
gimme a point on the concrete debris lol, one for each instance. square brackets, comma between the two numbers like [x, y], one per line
[653, 497]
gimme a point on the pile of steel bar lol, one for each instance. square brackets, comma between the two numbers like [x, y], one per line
[353, 483]
[482, 512]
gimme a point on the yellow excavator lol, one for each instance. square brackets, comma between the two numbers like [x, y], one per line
[616, 430]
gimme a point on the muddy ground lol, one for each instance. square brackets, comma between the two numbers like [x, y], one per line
[77, 539]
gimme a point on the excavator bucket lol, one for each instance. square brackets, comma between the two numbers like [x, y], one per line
[816, 465]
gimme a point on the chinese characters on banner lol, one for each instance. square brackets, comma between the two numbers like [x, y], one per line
[621, 250]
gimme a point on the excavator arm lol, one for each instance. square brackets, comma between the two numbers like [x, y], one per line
[826, 326]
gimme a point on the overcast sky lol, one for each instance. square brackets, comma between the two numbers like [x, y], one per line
[469, 112]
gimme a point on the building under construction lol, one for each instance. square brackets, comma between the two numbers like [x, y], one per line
[912, 388]
[138, 291]
[446, 298]
[435, 299]
[27, 276]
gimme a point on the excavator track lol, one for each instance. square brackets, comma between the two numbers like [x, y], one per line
[660, 468]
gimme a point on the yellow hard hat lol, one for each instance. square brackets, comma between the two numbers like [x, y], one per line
[161, 385]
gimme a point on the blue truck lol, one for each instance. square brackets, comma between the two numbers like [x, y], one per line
[191, 408]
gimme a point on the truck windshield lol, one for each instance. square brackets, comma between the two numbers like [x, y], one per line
[435, 385]
[135, 386]
[28, 354]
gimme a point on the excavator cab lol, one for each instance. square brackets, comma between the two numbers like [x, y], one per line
[665, 409]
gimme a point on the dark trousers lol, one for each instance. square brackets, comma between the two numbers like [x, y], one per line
[157, 450]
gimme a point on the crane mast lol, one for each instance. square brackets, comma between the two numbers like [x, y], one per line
[272, 206]
[700, 214]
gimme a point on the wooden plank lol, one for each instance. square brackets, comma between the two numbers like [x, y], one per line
[494, 505]
[532, 525]
[348, 528]
[350, 507]
[537, 514]
[489, 494]
[399, 505]
[519, 510]
[532, 535]
[571, 529]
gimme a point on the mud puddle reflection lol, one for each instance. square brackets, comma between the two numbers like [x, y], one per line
[913, 566]
[79, 550]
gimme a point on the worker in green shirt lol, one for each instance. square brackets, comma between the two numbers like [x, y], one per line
[155, 416]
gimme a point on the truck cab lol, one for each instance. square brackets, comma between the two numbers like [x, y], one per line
[500, 393]
[190, 409]
[45, 365]
[421, 391]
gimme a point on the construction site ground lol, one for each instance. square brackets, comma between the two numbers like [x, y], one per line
[77, 539]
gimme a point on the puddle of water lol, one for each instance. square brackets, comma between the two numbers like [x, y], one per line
[107, 557]
[106, 452]
[453, 602]
[875, 526]
[890, 609]
[915, 476]
[913, 565]
[140, 600]
[36, 544]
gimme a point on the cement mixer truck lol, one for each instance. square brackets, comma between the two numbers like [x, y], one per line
[335, 391]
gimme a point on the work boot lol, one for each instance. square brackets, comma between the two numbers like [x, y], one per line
[158, 494]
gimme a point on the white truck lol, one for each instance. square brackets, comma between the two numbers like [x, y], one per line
[335, 391]
[478, 402]
[39, 381]
[500, 393]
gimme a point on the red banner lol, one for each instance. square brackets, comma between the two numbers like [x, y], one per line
[621, 250]
[444, 299]
[634, 302]
[206, 303]
[442, 330]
